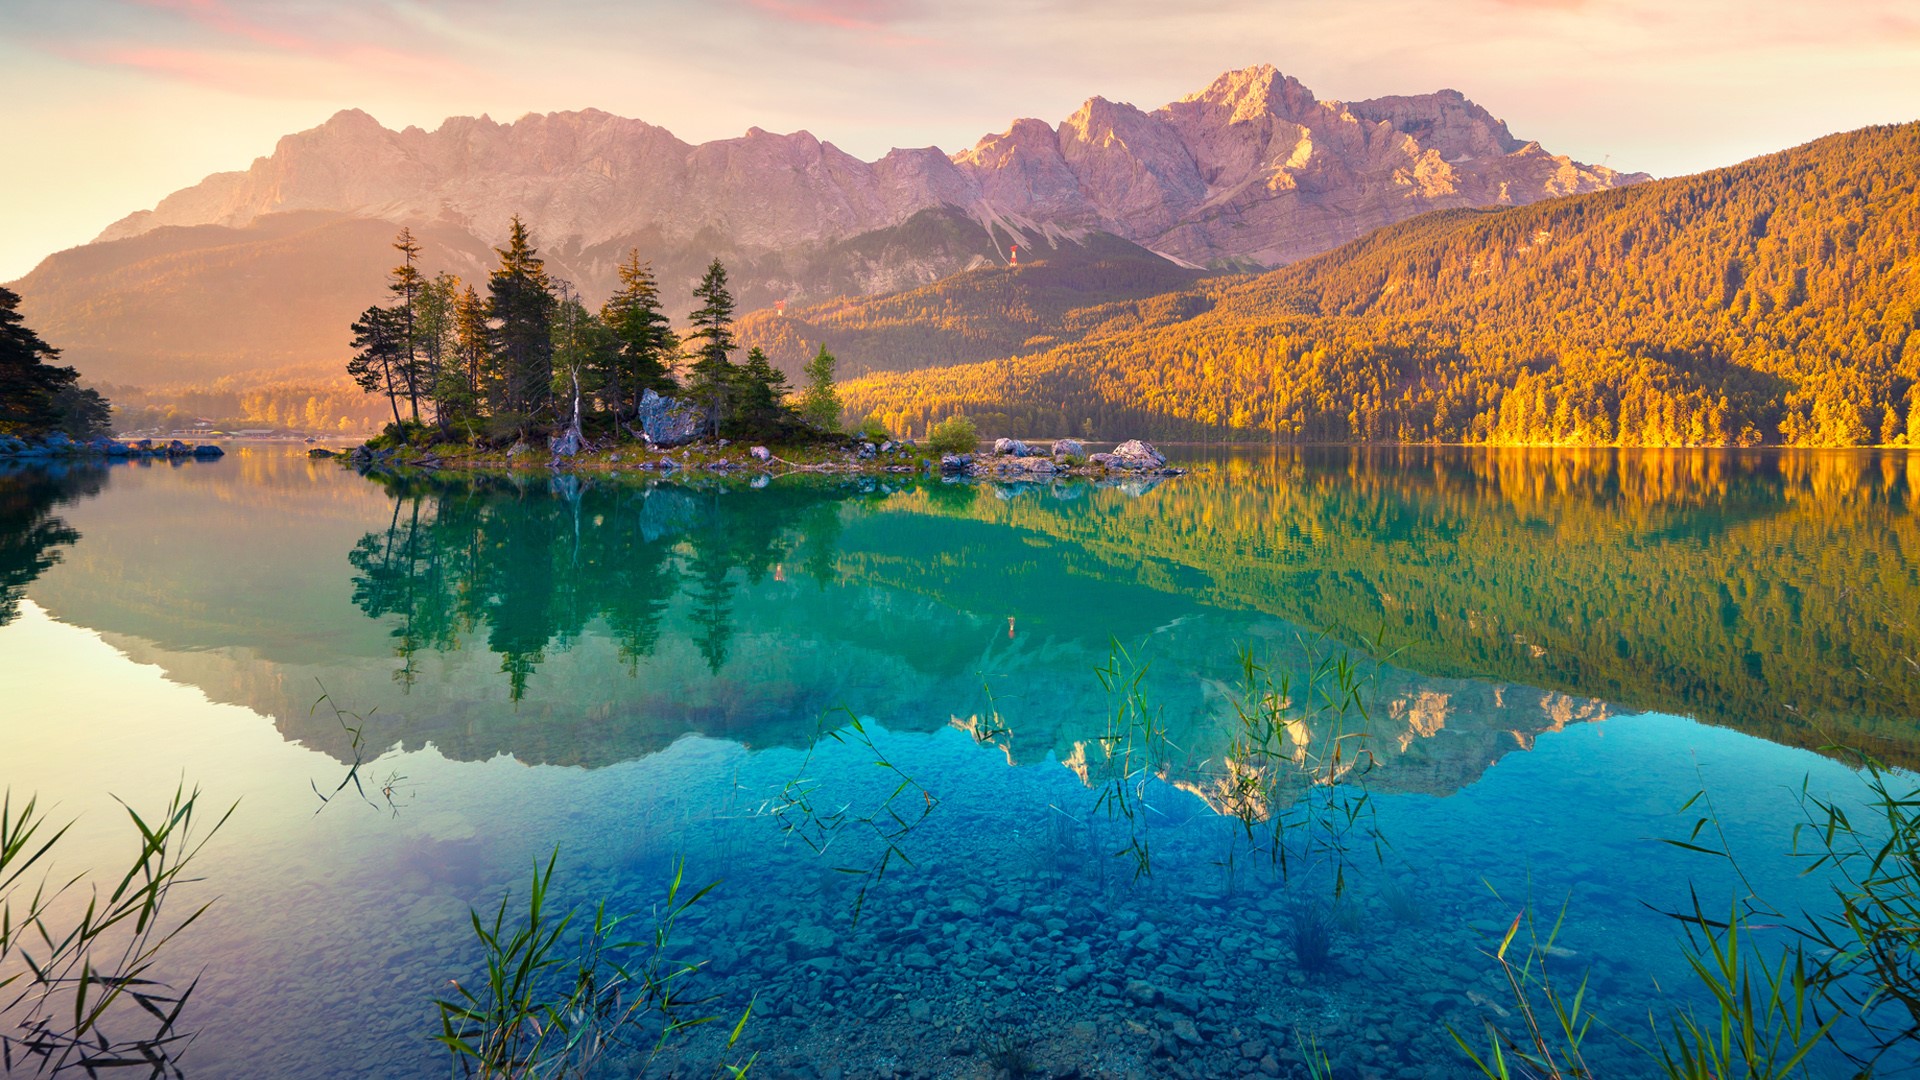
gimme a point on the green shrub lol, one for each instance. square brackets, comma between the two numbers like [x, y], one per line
[954, 435]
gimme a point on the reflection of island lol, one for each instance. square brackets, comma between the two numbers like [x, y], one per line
[528, 565]
[590, 622]
[30, 533]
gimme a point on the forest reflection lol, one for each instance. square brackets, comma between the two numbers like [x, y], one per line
[1769, 592]
[31, 534]
[526, 565]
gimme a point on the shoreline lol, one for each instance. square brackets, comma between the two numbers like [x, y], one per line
[1008, 459]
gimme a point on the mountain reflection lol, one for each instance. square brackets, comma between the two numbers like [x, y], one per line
[591, 621]
[31, 536]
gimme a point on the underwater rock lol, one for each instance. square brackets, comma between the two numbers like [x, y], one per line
[809, 942]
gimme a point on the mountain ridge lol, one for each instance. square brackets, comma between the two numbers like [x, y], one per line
[1250, 171]
[1161, 179]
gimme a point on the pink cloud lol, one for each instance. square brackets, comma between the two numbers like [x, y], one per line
[861, 16]
[219, 17]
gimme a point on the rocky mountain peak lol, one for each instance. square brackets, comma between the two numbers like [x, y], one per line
[1252, 94]
[1250, 169]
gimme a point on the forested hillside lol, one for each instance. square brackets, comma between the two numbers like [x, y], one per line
[1055, 291]
[1777, 301]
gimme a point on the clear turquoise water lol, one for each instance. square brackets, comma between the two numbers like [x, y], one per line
[1553, 653]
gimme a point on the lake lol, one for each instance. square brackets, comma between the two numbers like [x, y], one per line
[1138, 779]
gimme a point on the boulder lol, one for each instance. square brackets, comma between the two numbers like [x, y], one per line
[664, 421]
[59, 444]
[1069, 448]
[319, 452]
[519, 449]
[1012, 446]
[12, 447]
[1134, 454]
[867, 450]
[953, 463]
[567, 443]
[761, 453]
[208, 450]
[176, 448]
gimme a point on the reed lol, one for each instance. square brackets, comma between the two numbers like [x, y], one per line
[554, 1004]
[82, 993]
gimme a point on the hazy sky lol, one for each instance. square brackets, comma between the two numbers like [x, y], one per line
[112, 104]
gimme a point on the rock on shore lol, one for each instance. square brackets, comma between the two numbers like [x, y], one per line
[60, 446]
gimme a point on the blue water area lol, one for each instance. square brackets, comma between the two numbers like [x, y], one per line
[1204, 777]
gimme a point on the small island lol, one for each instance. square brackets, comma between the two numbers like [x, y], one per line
[530, 377]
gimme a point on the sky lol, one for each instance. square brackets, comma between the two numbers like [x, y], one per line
[113, 104]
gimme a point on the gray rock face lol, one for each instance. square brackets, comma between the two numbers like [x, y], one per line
[667, 422]
[1253, 167]
[1069, 448]
[1011, 446]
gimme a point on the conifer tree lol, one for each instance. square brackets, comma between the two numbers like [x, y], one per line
[646, 339]
[37, 396]
[583, 346]
[433, 337]
[459, 390]
[520, 305]
[379, 351]
[760, 391]
[819, 401]
[712, 339]
[406, 282]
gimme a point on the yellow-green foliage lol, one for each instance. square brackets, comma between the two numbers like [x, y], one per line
[1776, 301]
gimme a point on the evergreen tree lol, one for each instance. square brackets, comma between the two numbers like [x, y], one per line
[36, 396]
[712, 339]
[760, 391]
[819, 401]
[583, 346]
[520, 305]
[460, 389]
[406, 282]
[379, 351]
[646, 339]
[434, 341]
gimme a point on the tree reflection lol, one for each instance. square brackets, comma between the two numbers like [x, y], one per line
[531, 565]
[30, 533]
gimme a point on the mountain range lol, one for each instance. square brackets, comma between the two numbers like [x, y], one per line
[262, 269]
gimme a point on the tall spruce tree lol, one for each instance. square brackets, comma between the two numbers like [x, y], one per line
[406, 282]
[647, 342]
[712, 378]
[520, 304]
[819, 401]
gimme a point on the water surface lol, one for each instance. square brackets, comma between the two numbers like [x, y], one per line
[1549, 653]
